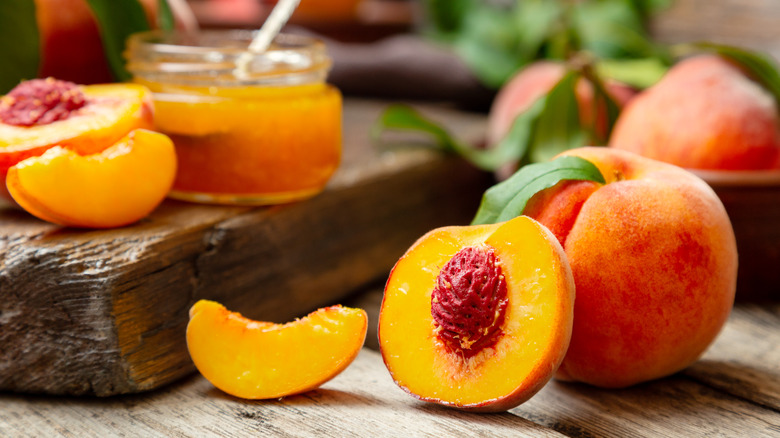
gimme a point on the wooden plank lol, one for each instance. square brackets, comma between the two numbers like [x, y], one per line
[672, 407]
[104, 312]
[745, 360]
[745, 23]
[744, 363]
[362, 401]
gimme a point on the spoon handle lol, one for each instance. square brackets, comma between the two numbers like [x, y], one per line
[273, 24]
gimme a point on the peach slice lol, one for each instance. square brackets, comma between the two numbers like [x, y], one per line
[262, 360]
[116, 187]
[478, 317]
[110, 112]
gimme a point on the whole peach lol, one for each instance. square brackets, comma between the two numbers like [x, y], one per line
[71, 48]
[536, 80]
[704, 114]
[654, 261]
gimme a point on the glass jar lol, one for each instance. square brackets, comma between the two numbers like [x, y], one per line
[266, 134]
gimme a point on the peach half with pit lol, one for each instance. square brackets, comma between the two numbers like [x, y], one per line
[43, 113]
[654, 259]
[478, 317]
[262, 360]
[112, 188]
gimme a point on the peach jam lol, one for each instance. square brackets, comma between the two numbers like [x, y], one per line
[265, 134]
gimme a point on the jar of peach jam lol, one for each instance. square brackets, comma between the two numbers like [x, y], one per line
[266, 134]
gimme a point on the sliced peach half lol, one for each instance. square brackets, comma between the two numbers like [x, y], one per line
[105, 114]
[263, 360]
[478, 317]
[115, 187]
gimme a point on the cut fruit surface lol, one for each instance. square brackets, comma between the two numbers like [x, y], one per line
[501, 361]
[110, 112]
[262, 360]
[116, 187]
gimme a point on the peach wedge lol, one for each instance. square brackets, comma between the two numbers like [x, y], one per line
[478, 317]
[116, 187]
[262, 360]
[109, 113]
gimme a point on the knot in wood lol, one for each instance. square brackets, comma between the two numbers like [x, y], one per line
[40, 102]
[469, 301]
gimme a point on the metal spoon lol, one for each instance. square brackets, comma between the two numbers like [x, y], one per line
[268, 31]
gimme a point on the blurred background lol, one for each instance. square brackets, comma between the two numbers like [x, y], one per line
[419, 49]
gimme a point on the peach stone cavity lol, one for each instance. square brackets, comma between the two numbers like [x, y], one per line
[40, 102]
[469, 301]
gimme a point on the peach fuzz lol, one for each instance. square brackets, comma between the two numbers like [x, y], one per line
[486, 341]
[262, 360]
[536, 80]
[116, 187]
[704, 114]
[655, 264]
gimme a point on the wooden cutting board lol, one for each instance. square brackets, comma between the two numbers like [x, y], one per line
[104, 312]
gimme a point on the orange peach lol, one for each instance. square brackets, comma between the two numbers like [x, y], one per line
[478, 317]
[263, 360]
[71, 48]
[655, 263]
[536, 80]
[108, 113]
[115, 187]
[704, 114]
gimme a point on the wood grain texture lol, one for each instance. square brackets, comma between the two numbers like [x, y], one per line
[363, 401]
[745, 360]
[732, 391]
[104, 312]
[745, 23]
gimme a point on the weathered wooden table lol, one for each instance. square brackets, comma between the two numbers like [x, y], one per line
[734, 390]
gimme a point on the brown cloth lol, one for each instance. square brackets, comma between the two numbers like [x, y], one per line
[406, 67]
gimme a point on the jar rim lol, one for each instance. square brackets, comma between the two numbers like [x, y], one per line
[209, 56]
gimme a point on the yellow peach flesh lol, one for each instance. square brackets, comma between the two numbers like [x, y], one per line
[262, 360]
[112, 112]
[118, 186]
[536, 329]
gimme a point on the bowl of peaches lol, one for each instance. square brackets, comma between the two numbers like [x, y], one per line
[708, 115]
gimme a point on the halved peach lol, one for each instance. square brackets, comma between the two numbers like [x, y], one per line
[478, 317]
[116, 187]
[262, 360]
[110, 112]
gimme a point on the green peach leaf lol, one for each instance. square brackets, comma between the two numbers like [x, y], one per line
[639, 73]
[508, 199]
[165, 18]
[558, 128]
[514, 147]
[19, 38]
[445, 17]
[117, 20]
[612, 29]
[602, 97]
[488, 44]
[511, 149]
